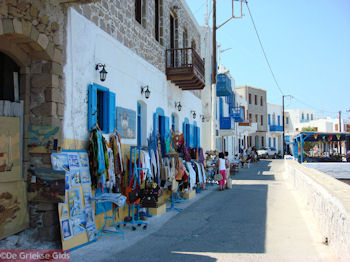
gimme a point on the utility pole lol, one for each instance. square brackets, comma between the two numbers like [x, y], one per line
[340, 132]
[214, 44]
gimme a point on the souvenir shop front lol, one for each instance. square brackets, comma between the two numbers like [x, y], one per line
[123, 153]
[112, 187]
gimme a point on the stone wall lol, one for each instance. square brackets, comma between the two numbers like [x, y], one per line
[117, 18]
[329, 201]
[33, 34]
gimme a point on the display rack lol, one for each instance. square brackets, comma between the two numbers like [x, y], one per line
[103, 230]
[175, 198]
[135, 173]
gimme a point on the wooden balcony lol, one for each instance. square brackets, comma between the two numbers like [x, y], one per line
[246, 122]
[185, 68]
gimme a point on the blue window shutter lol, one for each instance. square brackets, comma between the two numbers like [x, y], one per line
[269, 119]
[279, 120]
[155, 123]
[166, 126]
[92, 107]
[221, 107]
[138, 124]
[198, 137]
[105, 112]
[111, 112]
[162, 126]
[191, 127]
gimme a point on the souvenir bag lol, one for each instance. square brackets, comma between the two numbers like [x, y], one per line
[132, 193]
[149, 195]
[218, 176]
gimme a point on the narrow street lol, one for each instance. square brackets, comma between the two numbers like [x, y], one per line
[260, 219]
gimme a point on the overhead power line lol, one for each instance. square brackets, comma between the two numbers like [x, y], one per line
[263, 50]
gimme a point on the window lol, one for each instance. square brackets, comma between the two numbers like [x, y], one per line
[307, 116]
[156, 19]
[287, 120]
[274, 142]
[101, 108]
[256, 118]
[269, 119]
[138, 10]
[262, 120]
[269, 141]
[302, 116]
[261, 101]
[256, 99]
[278, 120]
[250, 116]
[250, 99]
[312, 117]
[262, 141]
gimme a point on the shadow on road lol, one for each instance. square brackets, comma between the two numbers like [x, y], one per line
[255, 171]
[232, 221]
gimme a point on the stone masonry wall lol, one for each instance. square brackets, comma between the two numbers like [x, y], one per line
[117, 18]
[329, 201]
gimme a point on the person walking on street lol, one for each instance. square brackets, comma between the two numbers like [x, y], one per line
[228, 171]
[220, 164]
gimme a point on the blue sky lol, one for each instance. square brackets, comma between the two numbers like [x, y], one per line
[306, 41]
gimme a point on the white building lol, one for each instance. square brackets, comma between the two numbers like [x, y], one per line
[275, 127]
[129, 75]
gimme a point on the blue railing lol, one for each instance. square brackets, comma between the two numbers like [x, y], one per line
[226, 123]
[276, 128]
[237, 113]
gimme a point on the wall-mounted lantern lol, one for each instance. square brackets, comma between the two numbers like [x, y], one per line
[193, 114]
[178, 106]
[144, 89]
[103, 72]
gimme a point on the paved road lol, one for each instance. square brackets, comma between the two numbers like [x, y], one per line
[259, 219]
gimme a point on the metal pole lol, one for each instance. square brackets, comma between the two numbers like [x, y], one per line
[214, 44]
[283, 125]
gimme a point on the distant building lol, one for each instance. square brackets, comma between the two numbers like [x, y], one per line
[275, 127]
[257, 113]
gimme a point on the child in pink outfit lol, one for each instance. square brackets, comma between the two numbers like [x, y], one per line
[220, 164]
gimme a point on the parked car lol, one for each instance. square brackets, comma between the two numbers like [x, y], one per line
[267, 152]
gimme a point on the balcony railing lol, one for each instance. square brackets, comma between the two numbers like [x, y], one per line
[185, 68]
[227, 123]
[275, 128]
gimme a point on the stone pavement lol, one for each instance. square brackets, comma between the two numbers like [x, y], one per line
[259, 219]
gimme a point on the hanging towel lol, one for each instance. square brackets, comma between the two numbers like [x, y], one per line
[100, 154]
[192, 174]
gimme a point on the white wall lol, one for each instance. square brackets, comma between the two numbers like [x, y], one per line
[88, 45]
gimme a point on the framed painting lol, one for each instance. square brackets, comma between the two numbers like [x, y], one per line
[126, 122]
